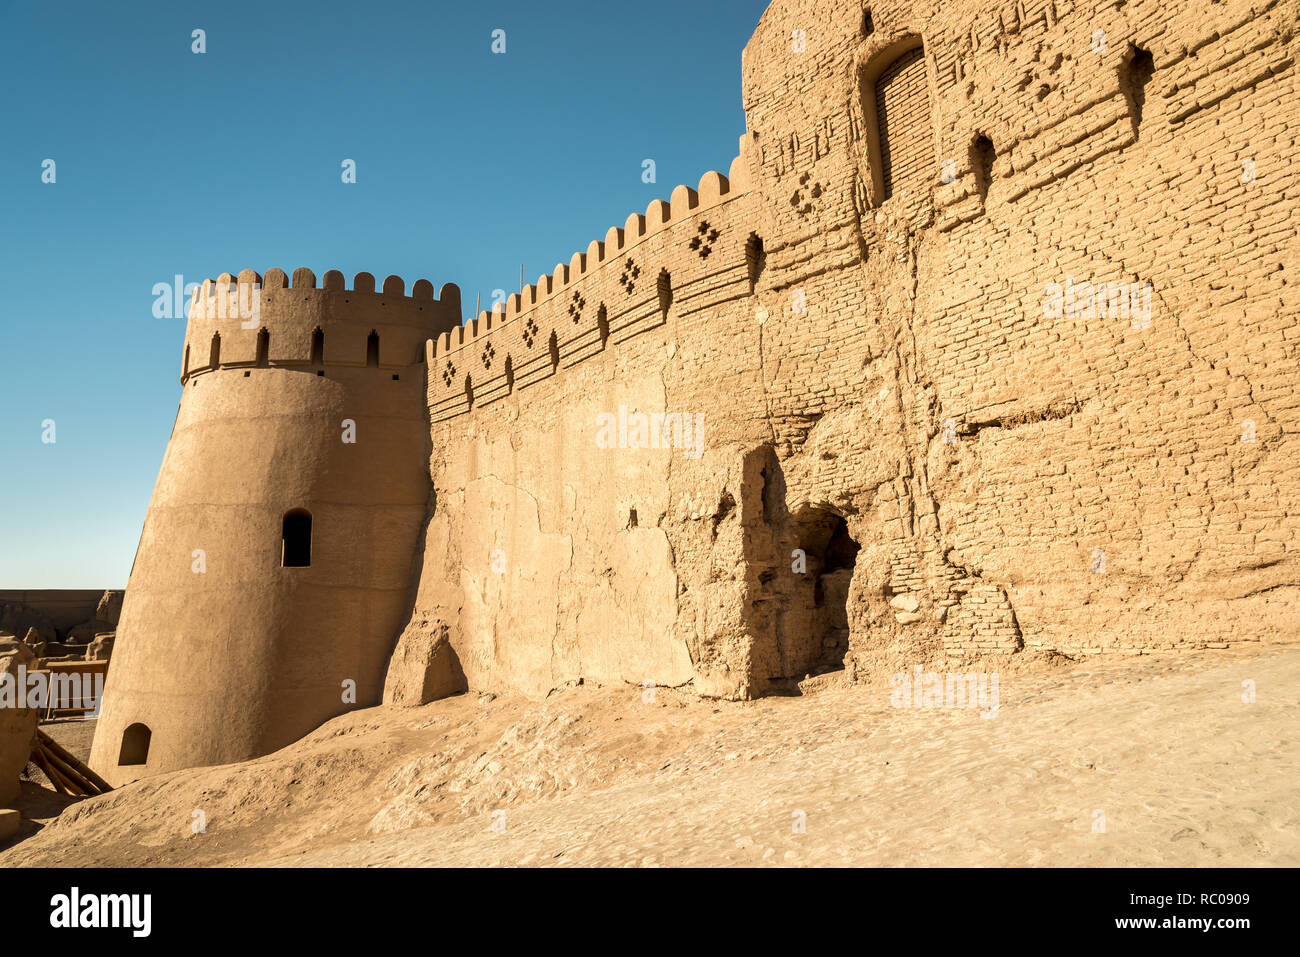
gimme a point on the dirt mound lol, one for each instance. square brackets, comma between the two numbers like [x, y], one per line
[1139, 762]
[373, 771]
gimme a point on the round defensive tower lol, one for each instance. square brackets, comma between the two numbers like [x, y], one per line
[275, 565]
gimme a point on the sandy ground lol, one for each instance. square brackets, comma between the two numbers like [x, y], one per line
[1163, 751]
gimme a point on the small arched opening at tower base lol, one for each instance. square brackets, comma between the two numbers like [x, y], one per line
[295, 539]
[135, 745]
[263, 347]
[318, 347]
[755, 260]
[214, 351]
[372, 349]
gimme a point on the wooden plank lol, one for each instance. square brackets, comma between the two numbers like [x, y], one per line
[83, 769]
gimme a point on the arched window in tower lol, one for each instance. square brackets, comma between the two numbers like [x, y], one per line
[135, 745]
[896, 95]
[372, 349]
[317, 347]
[263, 347]
[214, 352]
[295, 544]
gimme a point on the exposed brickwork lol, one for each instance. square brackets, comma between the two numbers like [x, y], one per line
[903, 120]
[902, 356]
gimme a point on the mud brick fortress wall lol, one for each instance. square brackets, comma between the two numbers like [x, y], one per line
[1094, 492]
[991, 329]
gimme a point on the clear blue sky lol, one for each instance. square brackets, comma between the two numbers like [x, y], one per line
[169, 162]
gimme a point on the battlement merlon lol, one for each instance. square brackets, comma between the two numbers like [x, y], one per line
[248, 320]
[226, 330]
[713, 189]
[692, 254]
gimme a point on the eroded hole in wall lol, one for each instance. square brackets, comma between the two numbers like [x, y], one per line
[982, 156]
[1135, 72]
[631, 518]
[802, 564]
[755, 260]
[868, 27]
[726, 508]
[842, 550]
[805, 194]
[820, 605]
[665, 286]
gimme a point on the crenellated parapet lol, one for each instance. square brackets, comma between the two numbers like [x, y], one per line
[249, 320]
[694, 252]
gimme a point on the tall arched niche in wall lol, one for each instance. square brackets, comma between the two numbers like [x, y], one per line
[898, 114]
